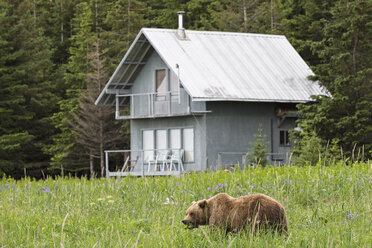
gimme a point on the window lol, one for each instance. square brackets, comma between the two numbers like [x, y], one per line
[161, 84]
[284, 138]
[148, 145]
[180, 138]
[175, 139]
[161, 139]
[188, 144]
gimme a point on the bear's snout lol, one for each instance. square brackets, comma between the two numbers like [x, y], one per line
[189, 224]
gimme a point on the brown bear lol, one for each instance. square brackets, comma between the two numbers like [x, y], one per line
[222, 210]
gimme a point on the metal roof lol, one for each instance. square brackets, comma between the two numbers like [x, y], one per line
[221, 66]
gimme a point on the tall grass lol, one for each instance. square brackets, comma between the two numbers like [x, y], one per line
[326, 207]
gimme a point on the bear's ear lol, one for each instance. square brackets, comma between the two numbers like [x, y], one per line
[193, 202]
[202, 203]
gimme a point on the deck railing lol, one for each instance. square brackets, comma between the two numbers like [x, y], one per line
[155, 104]
[154, 162]
[226, 159]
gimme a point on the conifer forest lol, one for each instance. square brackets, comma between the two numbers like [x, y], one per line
[57, 55]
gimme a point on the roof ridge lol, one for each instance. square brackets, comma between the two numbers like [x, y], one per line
[221, 33]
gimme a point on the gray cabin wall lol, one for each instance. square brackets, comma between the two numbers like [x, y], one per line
[195, 122]
[145, 81]
[144, 104]
[231, 127]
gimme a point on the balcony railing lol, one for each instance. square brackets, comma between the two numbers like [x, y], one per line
[155, 104]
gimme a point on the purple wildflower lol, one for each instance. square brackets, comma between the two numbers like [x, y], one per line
[26, 186]
[208, 188]
[56, 187]
[6, 186]
[13, 185]
[133, 211]
[225, 185]
[46, 190]
[132, 231]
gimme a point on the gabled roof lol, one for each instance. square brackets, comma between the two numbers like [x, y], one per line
[221, 66]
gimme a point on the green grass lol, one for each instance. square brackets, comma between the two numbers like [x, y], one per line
[130, 212]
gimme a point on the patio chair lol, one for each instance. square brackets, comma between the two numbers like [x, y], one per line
[176, 158]
[152, 162]
[163, 159]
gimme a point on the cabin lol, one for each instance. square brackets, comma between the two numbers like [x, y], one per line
[195, 99]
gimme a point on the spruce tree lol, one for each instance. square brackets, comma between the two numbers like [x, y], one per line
[27, 93]
[67, 154]
[345, 70]
[94, 126]
[258, 153]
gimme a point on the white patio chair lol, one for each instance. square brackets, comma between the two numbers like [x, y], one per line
[152, 162]
[163, 159]
[176, 158]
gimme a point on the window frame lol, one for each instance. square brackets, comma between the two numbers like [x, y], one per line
[286, 139]
[174, 95]
[160, 97]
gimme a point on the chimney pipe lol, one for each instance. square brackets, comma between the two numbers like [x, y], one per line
[180, 19]
[181, 31]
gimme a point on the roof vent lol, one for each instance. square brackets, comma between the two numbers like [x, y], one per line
[181, 34]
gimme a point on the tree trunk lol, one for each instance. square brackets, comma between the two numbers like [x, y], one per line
[101, 146]
[91, 163]
[102, 155]
[271, 15]
[128, 28]
[61, 9]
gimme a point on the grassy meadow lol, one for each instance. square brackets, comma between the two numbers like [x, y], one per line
[326, 207]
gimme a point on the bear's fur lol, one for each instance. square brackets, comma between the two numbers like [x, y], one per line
[222, 210]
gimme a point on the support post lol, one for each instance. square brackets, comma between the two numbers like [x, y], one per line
[149, 104]
[179, 83]
[107, 168]
[132, 106]
[168, 98]
[219, 160]
[117, 107]
[143, 165]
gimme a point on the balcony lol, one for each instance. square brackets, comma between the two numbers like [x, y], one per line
[152, 105]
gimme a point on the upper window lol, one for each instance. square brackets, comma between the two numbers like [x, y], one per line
[161, 84]
[284, 138]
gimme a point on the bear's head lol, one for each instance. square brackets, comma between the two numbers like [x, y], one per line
[196, 214]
